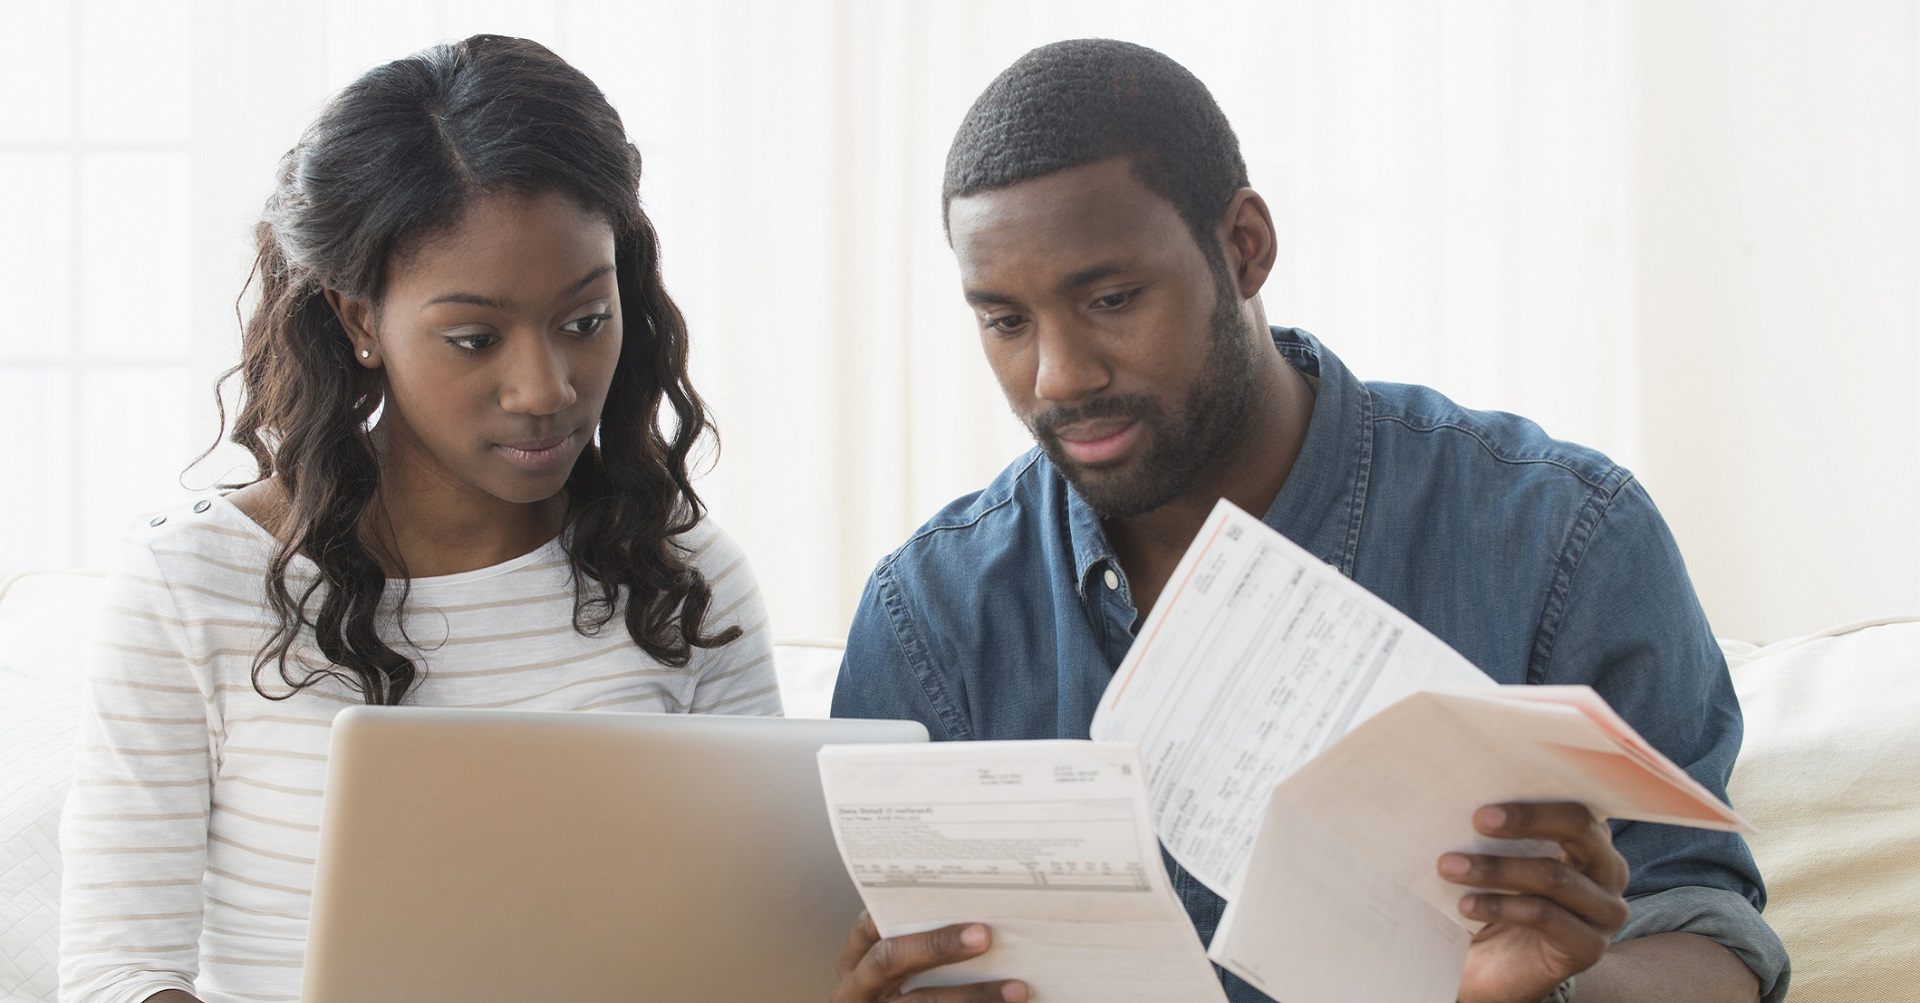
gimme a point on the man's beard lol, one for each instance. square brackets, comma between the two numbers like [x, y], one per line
[1211, 419]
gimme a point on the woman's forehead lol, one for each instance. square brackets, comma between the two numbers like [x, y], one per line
[509, 248]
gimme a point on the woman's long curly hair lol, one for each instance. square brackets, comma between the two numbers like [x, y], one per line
[396, 156]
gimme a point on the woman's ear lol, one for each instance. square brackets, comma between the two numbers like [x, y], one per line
[356, 318]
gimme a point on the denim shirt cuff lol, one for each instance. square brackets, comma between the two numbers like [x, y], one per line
[1722, 916]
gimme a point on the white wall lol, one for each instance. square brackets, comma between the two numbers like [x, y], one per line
[1685, 233]
[1777, 247]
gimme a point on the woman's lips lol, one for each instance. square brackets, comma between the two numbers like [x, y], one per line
[1099, 444]
[535, 454]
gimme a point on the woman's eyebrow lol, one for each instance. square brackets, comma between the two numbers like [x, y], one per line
[474, 299]
[588, 280]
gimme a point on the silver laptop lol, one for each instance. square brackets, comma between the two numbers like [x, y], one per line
[472, 854]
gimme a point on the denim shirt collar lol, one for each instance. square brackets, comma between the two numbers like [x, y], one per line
[1322, 504]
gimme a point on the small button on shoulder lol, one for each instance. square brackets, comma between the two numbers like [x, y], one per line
[1113, 580]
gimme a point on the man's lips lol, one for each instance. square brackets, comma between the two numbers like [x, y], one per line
[535, 454]
[1098, 442]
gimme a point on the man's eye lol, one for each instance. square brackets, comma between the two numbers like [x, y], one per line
[586, 326]
[471, 342]
[1005, 323]
[1114, 301]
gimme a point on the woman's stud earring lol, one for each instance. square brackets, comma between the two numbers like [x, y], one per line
[366, 353]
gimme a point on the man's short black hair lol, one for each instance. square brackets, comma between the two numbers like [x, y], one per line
[1076, 102]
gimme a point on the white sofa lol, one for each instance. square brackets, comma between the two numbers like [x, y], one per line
[1830, 774]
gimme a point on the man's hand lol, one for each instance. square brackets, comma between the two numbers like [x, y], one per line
[1546, 918]
[873, 969]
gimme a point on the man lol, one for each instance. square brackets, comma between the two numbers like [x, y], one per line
[1107, 240]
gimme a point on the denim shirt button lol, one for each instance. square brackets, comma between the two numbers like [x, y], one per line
[1113, 580]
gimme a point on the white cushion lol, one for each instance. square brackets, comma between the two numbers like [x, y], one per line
[806, 670]
[45, 618]
[1830, 776]
[41, 617]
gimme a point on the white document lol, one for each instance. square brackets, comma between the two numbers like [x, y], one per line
[1050, 844]
[1256, 657]
[1345, 860]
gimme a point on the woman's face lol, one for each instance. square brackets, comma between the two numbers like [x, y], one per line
[498, 339]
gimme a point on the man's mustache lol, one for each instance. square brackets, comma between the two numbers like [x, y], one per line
[1127, 406]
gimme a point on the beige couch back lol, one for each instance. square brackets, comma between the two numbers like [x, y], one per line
[1830, 775]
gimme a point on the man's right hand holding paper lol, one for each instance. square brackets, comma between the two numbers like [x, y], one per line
[873, 968]
[1547, 919]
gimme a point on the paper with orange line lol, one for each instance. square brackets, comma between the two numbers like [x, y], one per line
[1346, 850]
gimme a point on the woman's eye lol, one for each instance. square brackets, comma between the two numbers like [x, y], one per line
[586, 326]
[471, 342]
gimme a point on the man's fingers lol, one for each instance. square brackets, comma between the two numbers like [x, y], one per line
[1583, 836]
[899, 957]
[859, 940]
[890, 962]
[1550, 879]
[982, 992]
[1560, 821]
[1580, 943]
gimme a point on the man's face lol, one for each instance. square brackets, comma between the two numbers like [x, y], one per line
[1118, 343]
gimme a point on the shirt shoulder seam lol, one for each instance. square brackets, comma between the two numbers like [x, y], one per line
[931, 530]
[919, 661]
[1580, 535]
[1586, 477]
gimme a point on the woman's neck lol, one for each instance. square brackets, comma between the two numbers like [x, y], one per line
[430, 527]
[426, 540]
[419, 530]
[430, 523]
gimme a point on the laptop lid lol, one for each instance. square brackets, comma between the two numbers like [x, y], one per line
[484, 854]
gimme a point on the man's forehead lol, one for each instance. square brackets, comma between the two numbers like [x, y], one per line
[1062, 222]
[1101, 183]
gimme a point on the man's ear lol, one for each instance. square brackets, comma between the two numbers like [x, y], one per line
[356, 318]
[1246, 230]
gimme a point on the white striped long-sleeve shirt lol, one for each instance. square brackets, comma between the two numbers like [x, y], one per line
[190, 834]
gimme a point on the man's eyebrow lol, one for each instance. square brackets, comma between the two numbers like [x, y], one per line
[472, 299]
[1091, 274]
[1078, 280]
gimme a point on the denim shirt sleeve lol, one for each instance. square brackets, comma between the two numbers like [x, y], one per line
[887, 671]
[1621, 616]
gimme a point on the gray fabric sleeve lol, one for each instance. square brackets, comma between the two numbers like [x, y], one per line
[1722, 916]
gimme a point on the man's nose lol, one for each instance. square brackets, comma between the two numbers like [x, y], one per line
[1070, 366]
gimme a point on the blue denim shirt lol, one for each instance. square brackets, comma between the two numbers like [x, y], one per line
[1539, 560]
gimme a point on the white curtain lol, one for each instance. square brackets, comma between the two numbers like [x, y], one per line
[1687, 234]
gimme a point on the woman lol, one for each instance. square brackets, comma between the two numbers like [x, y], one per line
[452, 384]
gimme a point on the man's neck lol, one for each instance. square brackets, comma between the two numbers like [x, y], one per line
[1250, 474]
